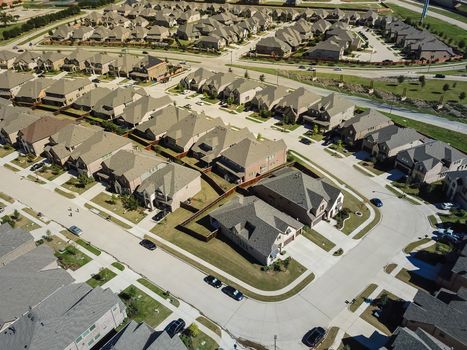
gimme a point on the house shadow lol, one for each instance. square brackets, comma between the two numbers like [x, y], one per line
[361, 155]
[395, 175]
[360, 342]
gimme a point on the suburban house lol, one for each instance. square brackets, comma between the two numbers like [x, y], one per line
[442, 316]
[66, 91]
[241, 90]
[99, 63]
[250, 158]
[50, 61]
[429, 162]
[62, 33]
[183, 134]
[404, 338]
[161, 121]
[151, 68]
[12, 122]
[141, 110]
[356, 128]
[88, 314]
[64, 141]
[87, 158]
[76, 61]
[452, 275]
[268, 98]
[7, 58]
[34, 137]
[126, 169]
[209, 147]
[11, 82]
[169, 186]
[255, 227]
[88, 101]
[158, 34]
[297, 103]
[213, 42]
[385, 143]
[27, 60]
[195, 80]
[329, 112]
[113, 104]
[455, 184]
[124, 64]
[331, 49]
[217, 83]
[14, 242]
[27, 280]
[33, 91]
[139, 336]
[307, 199]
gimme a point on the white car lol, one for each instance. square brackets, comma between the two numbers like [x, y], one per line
[200, 103]
[447, 206]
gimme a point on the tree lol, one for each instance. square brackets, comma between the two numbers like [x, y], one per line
[84, 180]
[193, 331]
[16, 215]
[422, 80]
[229, 100]
[462, 95]
[400, 79]
[262, 77]
[6, 18]
[129, 202]
[445, 87]
[462, 43]
[113, 199]
[246, 75]
[315, 129]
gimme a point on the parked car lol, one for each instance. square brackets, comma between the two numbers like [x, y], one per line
[200, 103]
[301, 67]
[145, 52]
[448, 206]
[75, 230]
[96, 80]
[377, 202]
[338, 69]
[146, 243]
[311, 69]
[305, 141]
[213, 281]
[37, 166]
[233, 293]
[440, 76]
[314, 337]
[187, 106]
[175, 327]
[160, 215]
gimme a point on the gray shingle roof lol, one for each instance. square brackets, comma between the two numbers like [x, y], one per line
[366, 120]
[394, 136]
[12, 238]
[136, 111]
[11, 79]
[163, 119]
[65, 86]
[405, 339]
[90, 98]
[32, 88]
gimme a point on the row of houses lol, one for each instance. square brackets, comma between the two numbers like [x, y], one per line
[140, 68]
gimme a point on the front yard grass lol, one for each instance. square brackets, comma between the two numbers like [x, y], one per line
[163, 294]
[318, 239]
[25, 161]
[390, 308]
[401, 195]
[35, 214]
[141, 307]
[88, 246]
[432, 193]
[289, 127]
[333, 153]
[340, 148]
[35, 179]
[435, 253]
[354, 221]
[198, 341]
[257, 117]
[118, 266]
[389, 268]
[74, 185]
[107, 216]
[417, 281]
[209, 325]
[413, 245]
[71, 258]
[371, 167]
[101, 278]
[362, 297]
[64, 193]
[21, 222]
[105, 201]
[6, 198]
[4, 151]
[457, 219]
[50, 173]
[329, 339]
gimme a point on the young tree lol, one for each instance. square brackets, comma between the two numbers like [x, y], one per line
[422, 80]
[400, 79]
[113, 199]
[315, 129]
[129, 202]
[193, 330]
[262, 77]
[462, 95]
[445, 87]
[84, 180]
[16, 215]
[6, 18]
[246, 75]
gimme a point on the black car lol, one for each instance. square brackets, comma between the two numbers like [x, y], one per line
[305, 141]
[213, 281]
[37, 166]
[233, 293]
[377, 202]
[440, 76]
[146, 243]
[96, 80]
[175, 327]
[313, 337]
[160, 215]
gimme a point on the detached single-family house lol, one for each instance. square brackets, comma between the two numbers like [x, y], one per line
[7, 58]
[255, 227]
[404, 338]
[62, 33]
[183, 134]
[160, 121]
[269, 97]
[124, 65]
[455, 187]
[307, 199]
[33, 91]
[34, 137]
[157, 34]
[429, 162]
[241, 90]
[66, 91]
[99, 63]
[87, 158]
[297, 103]
[356, 128]
[209, 147]
[76, 61]
[169, 186]
[14, 242]
[251, 158]
[195, 80]
[331, 49]
[329, 112]
[215, 85]
[213, 42]
[82, 33]
[112, 105]
[151, 68]
[50, 61]
[90, 99]
[141, 110]
[26, 61]
[11, 82]
[12, 122]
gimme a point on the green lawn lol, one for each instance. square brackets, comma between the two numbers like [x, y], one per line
[401, 195]
[50, 173]
[105, 201]
[432, 193]
[89, 247]
[101, 278]
[118, 266]
[209, 324]
[436, 25]
[25, 161]
[205, 196]
[331, 334]
[389, 268]
[362, 297]
[371, 167]
[163, 294]
[457, 219]
[200, 341]
[142, 308]
[412, 246]
[256, 117]
[74, 185]
[6, 197]
[71, 258]
[334, 154]
[318, 239]
[354, 205]
[289, 127]
[22, 222]
[64, 193]
[417, 281]
[107, 217]
[11, 167]
[4, 151]
[35, 214]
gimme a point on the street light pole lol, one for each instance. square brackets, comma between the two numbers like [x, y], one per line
[275, 342]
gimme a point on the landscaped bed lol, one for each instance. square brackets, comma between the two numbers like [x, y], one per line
[142, 308]
[75, 185]
[71, 258]
[101, 278]
[194, 339]
[50, 173]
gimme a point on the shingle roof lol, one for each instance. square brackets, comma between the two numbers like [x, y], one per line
[11, 79]
[394, 136]
[163, 119]
[366, 120]
[72, 135]
[12, 238]
[333, 104]
[32, 88]
[271, 94]
[43, 128]
[135, 111]
[90, 98]
[405, 339]
[66, 86]
[300, 100]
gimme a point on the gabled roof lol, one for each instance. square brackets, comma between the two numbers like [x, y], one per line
[271, 94]
[6, 55]
[66, 86]
[219, 79]
[136, 111]
[250, 150]
[90, 98]
[300, 100]
[73, 135]
[12, 238]
[163, 119]
[199, 75]
[333, 104]
[52, 56]
[11, 79]
[254, 221]
[27, 56]
[114, 99]
[15, 120]
[404, 339]
[394, 136]
[364, 121]
[242, 85]
[43, 128]
[32, 88]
